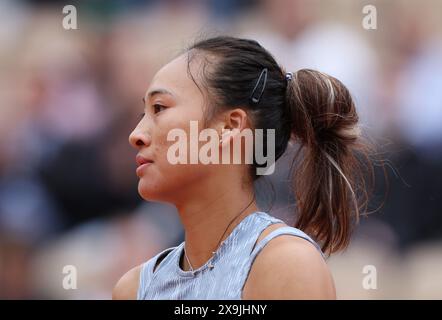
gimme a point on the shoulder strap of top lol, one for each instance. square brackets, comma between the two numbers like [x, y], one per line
[146, 271]
[143, 279]
[283, 231]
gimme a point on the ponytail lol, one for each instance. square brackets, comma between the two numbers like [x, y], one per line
[328, 181]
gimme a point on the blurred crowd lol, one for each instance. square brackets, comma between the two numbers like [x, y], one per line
[70, 98]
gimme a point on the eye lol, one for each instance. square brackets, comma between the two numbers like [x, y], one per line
[158, 108]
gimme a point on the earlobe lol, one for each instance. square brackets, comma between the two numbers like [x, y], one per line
[225, 135]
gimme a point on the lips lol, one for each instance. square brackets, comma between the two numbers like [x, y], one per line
[142, 160]
[142, 163]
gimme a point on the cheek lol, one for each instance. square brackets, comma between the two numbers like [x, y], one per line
[162, 180]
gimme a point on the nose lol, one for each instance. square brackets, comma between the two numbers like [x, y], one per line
[139, 138]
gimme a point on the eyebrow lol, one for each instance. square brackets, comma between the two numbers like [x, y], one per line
[155, 92]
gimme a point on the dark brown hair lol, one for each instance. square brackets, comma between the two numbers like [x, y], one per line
[314, 110]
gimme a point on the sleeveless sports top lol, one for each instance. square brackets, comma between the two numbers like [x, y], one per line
[232, 262]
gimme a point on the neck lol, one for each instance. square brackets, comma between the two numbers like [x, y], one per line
[206, 217]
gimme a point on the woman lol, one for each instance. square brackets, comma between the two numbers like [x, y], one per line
[232, 250]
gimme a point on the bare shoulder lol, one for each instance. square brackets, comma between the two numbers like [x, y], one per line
[127, 287]
[289, 267]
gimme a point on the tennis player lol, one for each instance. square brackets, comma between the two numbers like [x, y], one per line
[232, 249]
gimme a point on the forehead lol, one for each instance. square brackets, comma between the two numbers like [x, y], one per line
[175, 78]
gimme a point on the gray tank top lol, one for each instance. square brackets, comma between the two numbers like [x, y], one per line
[232, 262]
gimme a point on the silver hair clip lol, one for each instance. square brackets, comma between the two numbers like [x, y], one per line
[255, 99]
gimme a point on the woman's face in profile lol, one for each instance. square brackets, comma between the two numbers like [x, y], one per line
[171, 102]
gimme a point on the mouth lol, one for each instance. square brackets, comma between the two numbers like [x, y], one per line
[142, 162]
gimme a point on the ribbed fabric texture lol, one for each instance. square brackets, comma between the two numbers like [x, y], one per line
[232, 262]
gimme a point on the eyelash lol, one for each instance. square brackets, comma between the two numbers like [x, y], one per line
[158, 105]
[154, 106]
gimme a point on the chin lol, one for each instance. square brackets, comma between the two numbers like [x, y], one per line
[152, 191]
[166, 188]
[147, 191]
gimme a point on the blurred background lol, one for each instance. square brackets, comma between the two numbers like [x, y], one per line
[70, 98]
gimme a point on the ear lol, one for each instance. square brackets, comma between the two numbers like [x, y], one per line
[235, 121]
